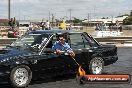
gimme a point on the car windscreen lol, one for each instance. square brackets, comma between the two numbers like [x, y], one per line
[30, 40]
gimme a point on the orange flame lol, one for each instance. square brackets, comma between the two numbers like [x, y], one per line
[81, 71]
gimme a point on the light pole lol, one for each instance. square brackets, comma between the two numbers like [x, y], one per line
[70, 13]
[88, 19]
[131, 13]
[49, 16]
[9, 9]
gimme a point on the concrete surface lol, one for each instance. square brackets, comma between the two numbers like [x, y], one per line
[122, 66]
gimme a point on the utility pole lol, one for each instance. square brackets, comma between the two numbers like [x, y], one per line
[70, 13]
[94, 15]
[49, 16]
[52, 20]
[131, 13]
[9, 9]
[19, 13]
[88, 19]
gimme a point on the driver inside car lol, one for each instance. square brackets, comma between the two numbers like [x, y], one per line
[61, 45]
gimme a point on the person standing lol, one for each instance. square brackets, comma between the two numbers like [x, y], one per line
[11, 23]
[42, 24]
[14, 22]
[47, 25]
[30, 27]
[63, 25]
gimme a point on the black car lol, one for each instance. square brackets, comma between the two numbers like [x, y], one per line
[31, 56]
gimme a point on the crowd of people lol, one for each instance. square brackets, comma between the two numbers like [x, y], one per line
[42, 25]
[46, 25]
[15, 26]
[13, 31]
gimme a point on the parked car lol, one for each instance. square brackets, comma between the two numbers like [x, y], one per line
[31, 56]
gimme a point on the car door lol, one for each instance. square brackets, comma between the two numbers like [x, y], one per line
[77, 44]
[96, 47]
[89, 46]
[49, 62]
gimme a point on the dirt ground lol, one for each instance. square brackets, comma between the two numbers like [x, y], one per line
[127, 32]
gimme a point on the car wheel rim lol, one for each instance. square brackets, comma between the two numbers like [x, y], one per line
[97, 65]
[21, 76]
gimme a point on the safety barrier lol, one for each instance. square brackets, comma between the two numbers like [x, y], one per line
[122, 40]
[6, 41]
[115, 39]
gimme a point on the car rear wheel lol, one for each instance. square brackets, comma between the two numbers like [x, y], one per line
[96, 65]
[20, 76]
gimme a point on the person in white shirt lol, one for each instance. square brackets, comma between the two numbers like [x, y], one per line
[47, 25]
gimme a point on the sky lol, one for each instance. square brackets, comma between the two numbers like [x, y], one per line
[83, 9]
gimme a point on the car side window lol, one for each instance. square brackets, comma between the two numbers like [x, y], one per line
[40, 40]
[86, 43]
[90, 40]
[51, 42]
[48, 48]
[76, 41]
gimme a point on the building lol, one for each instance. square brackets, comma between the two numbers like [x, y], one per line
[107, 21]
[4, 22]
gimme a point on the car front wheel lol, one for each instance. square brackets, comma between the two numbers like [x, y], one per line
[20, 76]
[96, 65]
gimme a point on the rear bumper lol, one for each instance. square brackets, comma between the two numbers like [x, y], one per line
[110, 60]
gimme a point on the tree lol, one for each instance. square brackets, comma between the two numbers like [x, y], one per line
[131, 13]
[103, 18]
[123, 15]
[127, 21]
[76, 20]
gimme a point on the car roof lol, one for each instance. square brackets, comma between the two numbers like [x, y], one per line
[53, 31]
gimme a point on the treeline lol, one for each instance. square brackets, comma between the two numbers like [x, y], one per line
[128, 20]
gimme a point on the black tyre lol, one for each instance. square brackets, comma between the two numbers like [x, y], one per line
[20, 76]
[96, 65]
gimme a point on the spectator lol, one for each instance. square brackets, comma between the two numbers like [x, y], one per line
[30, 27]
[110, 26]
[14, 22]
[120, 28]
[11, 23]
[42, 25]
[97, 27]
[47, 25]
